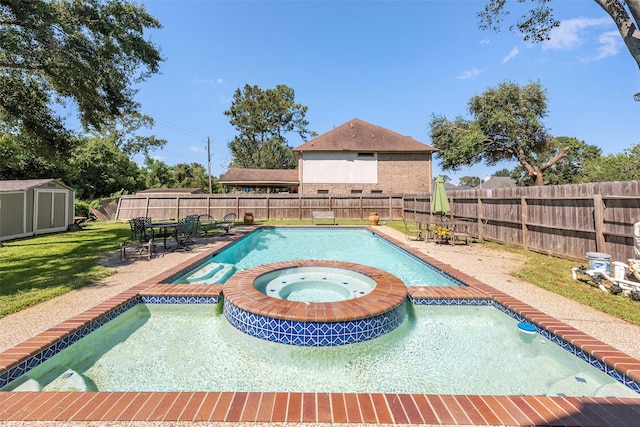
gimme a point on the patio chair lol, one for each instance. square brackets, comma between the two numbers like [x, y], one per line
[413, 233]
[192, 224]
[206, 223]
[227, 223]
[181, 236]
[141, 234]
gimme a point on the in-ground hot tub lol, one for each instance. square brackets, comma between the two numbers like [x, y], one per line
[373, 305]
[314, 284]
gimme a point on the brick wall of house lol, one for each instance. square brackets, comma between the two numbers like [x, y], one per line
[397, 173]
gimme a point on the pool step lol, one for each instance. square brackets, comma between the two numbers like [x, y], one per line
[70, 380]
[213, 272]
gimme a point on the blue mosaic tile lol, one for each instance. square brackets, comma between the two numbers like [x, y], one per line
[314, 333]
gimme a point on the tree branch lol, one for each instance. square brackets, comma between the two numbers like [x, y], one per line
[625, 24]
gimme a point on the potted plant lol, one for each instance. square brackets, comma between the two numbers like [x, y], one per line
[441, 232]
[248, 218]
[373, 218]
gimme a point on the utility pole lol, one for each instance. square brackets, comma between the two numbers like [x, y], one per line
[209, 161]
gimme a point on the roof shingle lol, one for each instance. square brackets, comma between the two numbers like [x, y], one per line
[358, 135]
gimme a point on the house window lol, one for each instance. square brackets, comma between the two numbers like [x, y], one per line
[366, 155]
[376, 191]
[323, 191]
[356, 191]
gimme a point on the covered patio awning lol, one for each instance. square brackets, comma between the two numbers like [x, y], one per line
[270, 180]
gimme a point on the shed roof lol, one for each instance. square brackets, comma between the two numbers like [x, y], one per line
[358, 135]
[26, 184]
[242, 176]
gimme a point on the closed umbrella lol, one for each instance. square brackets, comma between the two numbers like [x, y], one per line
[439, 201]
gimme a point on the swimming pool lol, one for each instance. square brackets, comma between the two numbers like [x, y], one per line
[318, 407]
[357, 245]
[439, 349]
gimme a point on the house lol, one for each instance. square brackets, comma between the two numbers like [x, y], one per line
[491, 182]
[172, 191]
[260, 180]
[31, 207]
[358, 157]
[354, 158]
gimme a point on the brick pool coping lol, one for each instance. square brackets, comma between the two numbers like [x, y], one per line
[388, 293]
[269, 407]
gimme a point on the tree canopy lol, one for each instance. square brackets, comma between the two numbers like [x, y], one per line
[507, 125]
[623, 166]
[538, 21]
[262, 119]
[569, 169]
[85, 53]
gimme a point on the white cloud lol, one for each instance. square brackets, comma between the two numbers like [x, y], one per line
[567, 35]
[485, 41]
[610, 44]
[196, 149]
[208, 81]
[469, 74]
[511, 55]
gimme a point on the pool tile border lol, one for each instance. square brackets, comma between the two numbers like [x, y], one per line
[321, 407]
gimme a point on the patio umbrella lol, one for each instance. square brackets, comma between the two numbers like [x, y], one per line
[439, 201]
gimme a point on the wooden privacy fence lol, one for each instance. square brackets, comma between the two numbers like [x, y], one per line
[563, 220]
[262, 206]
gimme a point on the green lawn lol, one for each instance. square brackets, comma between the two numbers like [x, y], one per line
[39, 268]
[36, 269]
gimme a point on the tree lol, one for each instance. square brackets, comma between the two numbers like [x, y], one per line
[504, 172]
[567, 170]
[262, 118]
[121, 131]
[507, 126]
[97, 168]
[538, 21]
[613, 167]
[19, 159]
[156, 174]
[86, 52]
[193, 176]
[470, 181]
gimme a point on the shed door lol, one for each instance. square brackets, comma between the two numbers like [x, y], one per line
[50, 211]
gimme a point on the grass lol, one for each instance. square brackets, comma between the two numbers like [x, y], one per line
[36, 269]
[554, 274]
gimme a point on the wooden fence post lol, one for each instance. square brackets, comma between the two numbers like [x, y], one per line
[598, 222]
[480, 216]
[525, 219]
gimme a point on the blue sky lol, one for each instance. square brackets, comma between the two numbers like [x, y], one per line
[391, 63]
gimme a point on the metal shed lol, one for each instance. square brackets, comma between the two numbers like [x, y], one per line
[34, 206]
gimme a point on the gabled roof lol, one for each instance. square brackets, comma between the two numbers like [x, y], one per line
[259, 176]
[26, 184]
[358, 135]
[172, 191]
[498, 182]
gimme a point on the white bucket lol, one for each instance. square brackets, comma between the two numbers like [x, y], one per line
[599, 261]
[619, 270]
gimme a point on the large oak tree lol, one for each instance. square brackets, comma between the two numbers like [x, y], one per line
[506, 125]
[537, 22]
[87, 54]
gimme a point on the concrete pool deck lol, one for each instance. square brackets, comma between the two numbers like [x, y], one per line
[491, 267]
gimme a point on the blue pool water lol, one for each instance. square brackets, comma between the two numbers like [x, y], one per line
[438, 349]
[361, 246]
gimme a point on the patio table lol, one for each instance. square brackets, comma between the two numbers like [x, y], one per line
[162, 229]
